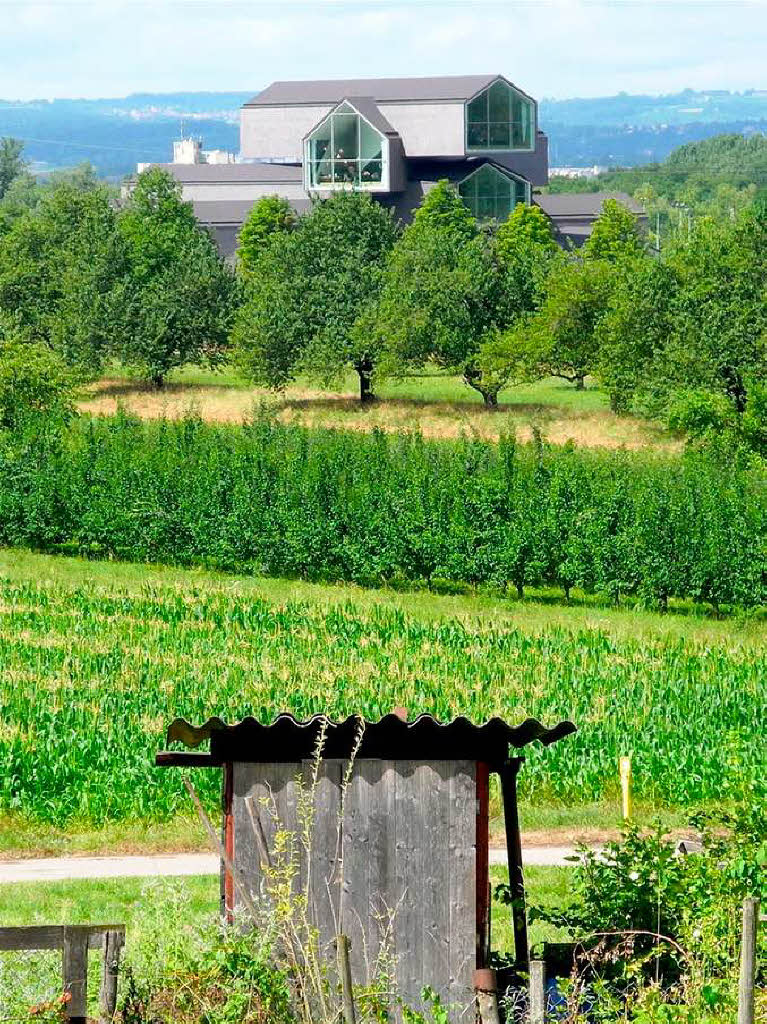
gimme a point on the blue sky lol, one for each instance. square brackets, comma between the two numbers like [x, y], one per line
[557, 48]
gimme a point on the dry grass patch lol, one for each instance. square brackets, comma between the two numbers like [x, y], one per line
[434, 418]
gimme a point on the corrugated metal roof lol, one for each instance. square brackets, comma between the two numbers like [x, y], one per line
[391, 738]
[583, 204]
[230, 174]
[383, 90]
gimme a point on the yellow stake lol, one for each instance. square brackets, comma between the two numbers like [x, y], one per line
[626, 786]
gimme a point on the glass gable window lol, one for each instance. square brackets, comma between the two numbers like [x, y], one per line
[492, 195]
[345, 150]
[499, 118]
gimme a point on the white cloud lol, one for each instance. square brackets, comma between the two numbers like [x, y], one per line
[550, 47]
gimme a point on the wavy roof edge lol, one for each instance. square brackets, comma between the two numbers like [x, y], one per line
[459, 733]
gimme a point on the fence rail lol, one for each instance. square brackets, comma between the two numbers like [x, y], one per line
[74, 941]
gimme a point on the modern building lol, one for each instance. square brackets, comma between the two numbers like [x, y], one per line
[391, 137]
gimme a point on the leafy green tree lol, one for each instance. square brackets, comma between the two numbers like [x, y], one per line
[269, 215]
[314, 285]
[59, 264]
[525, 251]
[616, 234]
[566, 325]
[12, 162]
[178, 298]
[34, 382]
[441, 295]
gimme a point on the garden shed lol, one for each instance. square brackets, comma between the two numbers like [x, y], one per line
[399, 823]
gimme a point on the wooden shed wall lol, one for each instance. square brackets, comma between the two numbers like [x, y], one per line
[405, 854]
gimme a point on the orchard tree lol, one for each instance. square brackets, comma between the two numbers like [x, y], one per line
[268, 216]
[178, 298]
[314, 285]
[525, 251]
[60, 263]
[566, 326]
[440, 296]
[616, 234]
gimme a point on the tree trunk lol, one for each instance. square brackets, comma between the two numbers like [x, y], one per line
[365, 370]
[491, 399]
[158, 381]
[580, 383]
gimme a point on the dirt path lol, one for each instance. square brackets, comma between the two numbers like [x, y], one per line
[54, 869]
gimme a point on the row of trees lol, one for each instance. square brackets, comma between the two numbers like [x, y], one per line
[680, 334]
[89, 278]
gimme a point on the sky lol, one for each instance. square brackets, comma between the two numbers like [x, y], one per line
[550, 48]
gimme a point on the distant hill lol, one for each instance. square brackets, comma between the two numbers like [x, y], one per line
[114, 134]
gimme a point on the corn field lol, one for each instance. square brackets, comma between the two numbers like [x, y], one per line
[91, 677]
[376, 509]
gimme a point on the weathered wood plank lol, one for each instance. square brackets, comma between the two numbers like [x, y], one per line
[461, 875]
[51, 936]
[355, 885]
[324, 884]
[409, 875]
[75, 970]
[434, 894]
[382, 879]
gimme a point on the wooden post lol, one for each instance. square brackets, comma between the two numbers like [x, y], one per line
[345, 974]
[537, 995]
[748, 962]
[508, 775]
[625, 769]
[75, 972]
[113, 942]
[486, 987]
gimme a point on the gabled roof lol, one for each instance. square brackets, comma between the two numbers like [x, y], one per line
[366, 106]
[425, 738]
[382, 90]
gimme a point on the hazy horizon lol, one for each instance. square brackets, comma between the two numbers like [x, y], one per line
[554, 49]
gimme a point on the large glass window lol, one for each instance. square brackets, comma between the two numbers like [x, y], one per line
[345, 150]
[492, 195]
[499, 118]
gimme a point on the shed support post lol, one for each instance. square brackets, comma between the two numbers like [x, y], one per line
[508, 775]
[75, 972]
[746, 984]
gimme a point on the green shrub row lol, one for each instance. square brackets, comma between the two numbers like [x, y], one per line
[377, 508]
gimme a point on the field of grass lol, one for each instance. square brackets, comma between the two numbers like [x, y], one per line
[436, 404]
[97, 658]
[169, 914]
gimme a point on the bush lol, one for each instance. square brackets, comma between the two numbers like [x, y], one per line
[35, 384]
[375, 509]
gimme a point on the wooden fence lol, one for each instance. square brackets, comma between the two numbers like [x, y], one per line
[74, 941]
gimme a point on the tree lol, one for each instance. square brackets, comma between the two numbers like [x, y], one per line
[314, 285]
[34, 382]
[567, 323]
[12, 163]
[525, 252]
[59, 264]
[615, 235]
[441, 294]
[178, 298]
[268, 216]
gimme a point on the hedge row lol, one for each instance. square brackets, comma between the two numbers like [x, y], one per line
[376, 508]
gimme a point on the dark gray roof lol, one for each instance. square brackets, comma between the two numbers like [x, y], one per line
[383, 90]
[366, 106]
[219, 212]
[425, 738]
[583, 204]
[225, 174]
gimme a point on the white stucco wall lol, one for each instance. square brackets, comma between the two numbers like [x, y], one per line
[277, 131]
[427, 129]
[199, 193]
